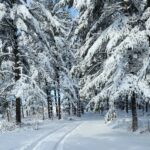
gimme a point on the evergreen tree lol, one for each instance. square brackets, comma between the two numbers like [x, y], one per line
[112, 52]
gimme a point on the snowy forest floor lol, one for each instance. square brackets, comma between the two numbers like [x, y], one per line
[89, 133]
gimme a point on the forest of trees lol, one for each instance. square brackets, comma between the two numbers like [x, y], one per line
[113, 41]
[35, 60]
[52, 64]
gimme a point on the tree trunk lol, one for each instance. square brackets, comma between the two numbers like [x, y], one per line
[146, 107]
[78, 104]
[82, 109]
[16, 61]
[59, 103]
[57, 77]
[8, 115]
[51, 108]
[148, 3]
[134, 113]
[43, 115]
[56, 104]
[18, 110]
[127, 107]
[48, 106]
[17, 74]
[69, 107]
[143, 107]
[58, 92]
[79, 108]
[49, 101]
[107, 104]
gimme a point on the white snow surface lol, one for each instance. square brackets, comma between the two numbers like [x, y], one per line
[89, 133]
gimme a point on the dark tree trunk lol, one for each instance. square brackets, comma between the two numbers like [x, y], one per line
[134, 113]
[82, 109]
[146, 106]
[8, 115]
[57, 78]
[107, 104]
[59, 104]
[50, 107]
[49, 101]
[18, 110]
[69, 107]
[43, 117]
[127, 102]
[148, 3]
[143, 107]
[78, 104]
[56, 104]
[79, 108]
[58, 92]
[17, 74]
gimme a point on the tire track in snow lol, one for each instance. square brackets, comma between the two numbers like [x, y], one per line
[32, 145]
[60, 136]
[60, 144]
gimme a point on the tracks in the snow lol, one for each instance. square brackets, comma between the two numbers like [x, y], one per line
[55, 139]
[59, 145]
[30, 146]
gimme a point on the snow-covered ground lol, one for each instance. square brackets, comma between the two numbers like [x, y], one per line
[89, 133]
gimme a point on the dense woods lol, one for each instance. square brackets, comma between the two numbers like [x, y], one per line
[63, 57]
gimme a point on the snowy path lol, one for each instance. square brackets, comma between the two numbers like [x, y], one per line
[39, 141]
[90, 133]
[55, 140]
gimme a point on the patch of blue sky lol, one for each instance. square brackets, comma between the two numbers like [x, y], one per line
[73, 12]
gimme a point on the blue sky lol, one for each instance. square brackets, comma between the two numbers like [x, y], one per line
[73, 12]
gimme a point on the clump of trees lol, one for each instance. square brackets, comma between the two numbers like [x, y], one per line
[35, 61]
[112, 42]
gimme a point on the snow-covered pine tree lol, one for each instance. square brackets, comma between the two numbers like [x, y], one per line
[68, 84]
[113, 52]
[32, 46]
[12, 33]
[42, 56]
